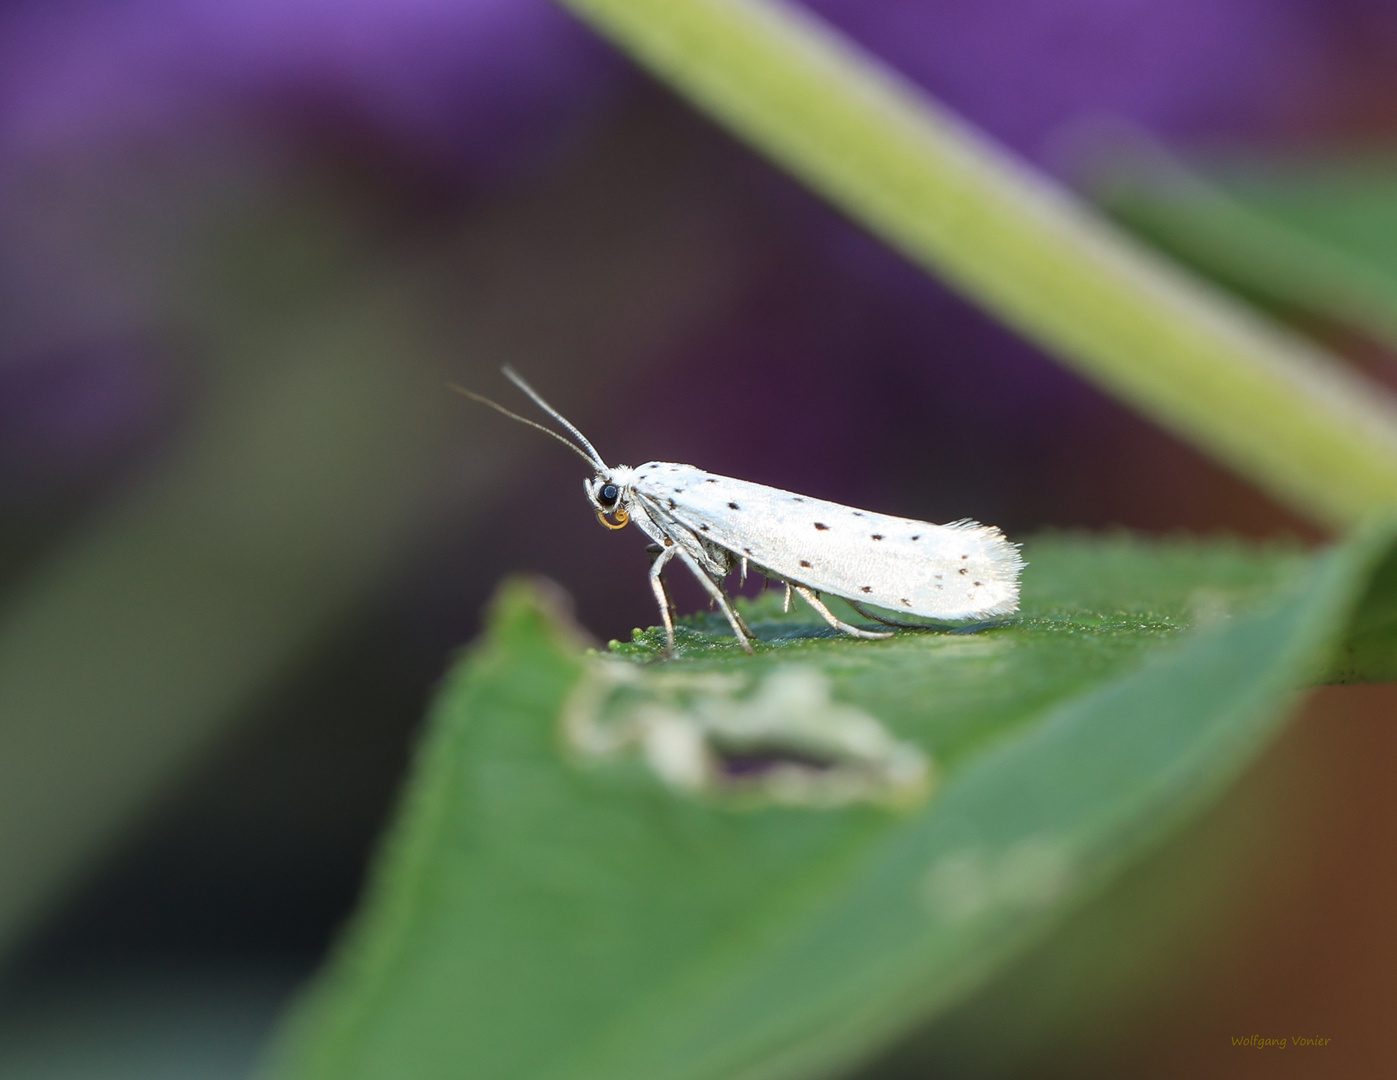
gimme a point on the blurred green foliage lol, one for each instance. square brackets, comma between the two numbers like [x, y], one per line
[1279, 411]
[1315, 236]
[320, 455]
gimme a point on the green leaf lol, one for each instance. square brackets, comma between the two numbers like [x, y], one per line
[1368, 652]
[1278, 410]
[1315, 235]
[596, 875]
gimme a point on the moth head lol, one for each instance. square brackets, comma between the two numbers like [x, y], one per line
[610, 492]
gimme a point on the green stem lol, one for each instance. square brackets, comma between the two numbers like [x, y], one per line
[1276, 409]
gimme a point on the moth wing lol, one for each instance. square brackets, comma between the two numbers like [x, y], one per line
[956, 571]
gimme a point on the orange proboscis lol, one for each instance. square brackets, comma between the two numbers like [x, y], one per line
[622, 519]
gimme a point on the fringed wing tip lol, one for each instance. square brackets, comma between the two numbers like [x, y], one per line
[1004, 551]
[1006, 557]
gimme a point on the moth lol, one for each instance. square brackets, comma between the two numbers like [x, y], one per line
[715, 524]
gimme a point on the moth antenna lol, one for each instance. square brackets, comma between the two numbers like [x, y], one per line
[593, 460]
[518, 380]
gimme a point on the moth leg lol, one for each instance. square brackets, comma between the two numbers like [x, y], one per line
[739, 628]
[884, 619]
[659, 557]
[735, 613]
[742, 623]
[654, 551]
[818, 604]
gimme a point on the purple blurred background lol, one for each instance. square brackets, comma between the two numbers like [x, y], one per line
[244, 246]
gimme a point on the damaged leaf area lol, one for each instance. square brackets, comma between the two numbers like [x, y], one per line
[612, 866]
[781, 739]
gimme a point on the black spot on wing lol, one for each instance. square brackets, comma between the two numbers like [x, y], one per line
[962, 570]
[805, 564]
[733, 506]
[822, 526]
[866, 588]
[877, 536]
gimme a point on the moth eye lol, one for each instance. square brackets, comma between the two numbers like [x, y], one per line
[608, 495]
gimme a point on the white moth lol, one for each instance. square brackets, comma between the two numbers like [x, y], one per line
[714, 524]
